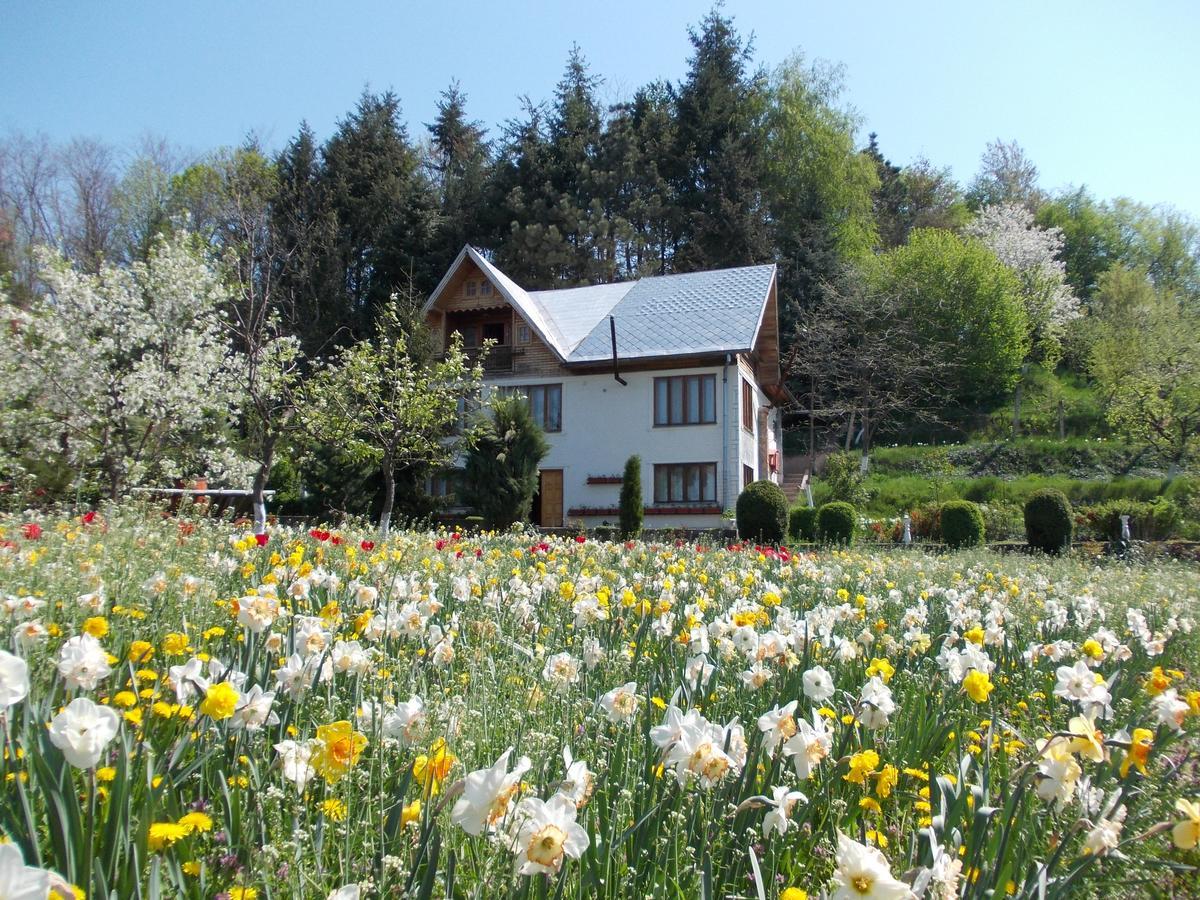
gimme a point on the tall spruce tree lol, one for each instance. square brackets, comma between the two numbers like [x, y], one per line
[383, 207]
[554, 184]
[720, 138]
[645, 171]
[460, 160]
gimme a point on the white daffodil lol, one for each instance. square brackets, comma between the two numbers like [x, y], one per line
[82, 662]
[188, 680]
[777, 725]
[561, 671]
[809, 745]
[19, 881]
[488, 795]
[1057, 772]
[782, 801]
[294, 760]
[579, 782]
[405, 721]
[258, 612]
[253, 710]
[621, 703]
[1169, 709]
[875, 704]
[1105, 835]
[14, 679]
[863, 874]
[818, 684]
[82, 731]
[546, 832]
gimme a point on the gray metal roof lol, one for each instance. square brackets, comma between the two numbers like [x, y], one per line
[576, 311]
[691, 314]
[667, 315]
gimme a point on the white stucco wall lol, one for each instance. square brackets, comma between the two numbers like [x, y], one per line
[603, 423]
[748, 440]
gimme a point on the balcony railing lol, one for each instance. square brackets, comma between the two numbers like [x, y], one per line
[497, 360]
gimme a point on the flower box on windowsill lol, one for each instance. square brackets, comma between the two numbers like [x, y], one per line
[677, 510]
[605, 479]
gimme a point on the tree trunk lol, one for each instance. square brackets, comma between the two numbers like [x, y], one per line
[113, 469]
[260, 485]
[850, 431]
[864, 461]
[1016, 421]
[389, 500]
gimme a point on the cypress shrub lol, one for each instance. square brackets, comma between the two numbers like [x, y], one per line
[1048, 524]
[762, 513]
[837, 522]
[802, 524]
[962, 524]
[500, 476]
[632, 510]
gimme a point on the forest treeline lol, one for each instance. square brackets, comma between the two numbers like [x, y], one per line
[905, 296]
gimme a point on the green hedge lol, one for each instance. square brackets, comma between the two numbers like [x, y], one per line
[762, 513]
[962, 524]
[1048, 521]
[802, 524]
[837, 523]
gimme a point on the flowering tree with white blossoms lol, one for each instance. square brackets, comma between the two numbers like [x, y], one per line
[1033, 254]
[125, 375]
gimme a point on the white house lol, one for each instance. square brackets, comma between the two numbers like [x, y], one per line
[682, 370]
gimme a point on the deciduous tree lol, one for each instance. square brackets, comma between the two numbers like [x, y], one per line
[383, 403]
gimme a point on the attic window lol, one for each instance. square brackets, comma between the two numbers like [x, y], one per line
[485, 289]
[472, 287]
[522, 334]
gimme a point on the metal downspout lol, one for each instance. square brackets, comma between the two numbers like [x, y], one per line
[725, 433]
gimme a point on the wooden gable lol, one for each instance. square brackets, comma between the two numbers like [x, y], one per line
[469, 300]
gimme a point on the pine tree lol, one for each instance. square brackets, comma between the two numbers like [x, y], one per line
[303, 223]
[553, 182]
[639, 152]
[720, 138]
[460, 160]
[500, 476]
[383, 206]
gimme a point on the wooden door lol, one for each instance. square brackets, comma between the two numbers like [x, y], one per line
[550, 490]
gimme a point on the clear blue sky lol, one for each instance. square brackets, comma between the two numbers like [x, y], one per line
[1099, 92]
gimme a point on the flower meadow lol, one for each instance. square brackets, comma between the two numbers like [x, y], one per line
[191, 711]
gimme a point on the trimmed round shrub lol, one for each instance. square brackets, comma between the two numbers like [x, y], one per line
[1048, 522]
[762, 513]
[837, 522]
[802, 524]
[962, 524]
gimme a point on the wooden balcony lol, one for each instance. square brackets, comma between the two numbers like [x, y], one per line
[497, 360]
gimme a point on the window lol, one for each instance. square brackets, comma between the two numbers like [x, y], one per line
[444, 484]
[685, 483]
[470, 335]
[685, 400]
[485, 288]
[522, 334]
[545, 403]
[747, 405]
[747, 476]
[494, 331]
[472, 287]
